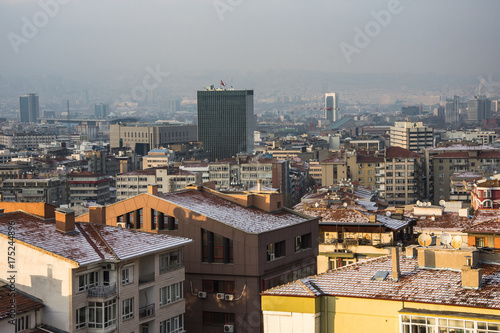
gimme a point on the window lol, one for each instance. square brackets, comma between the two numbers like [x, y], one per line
[214, 286]
[22, 323]
[87, 281]
[409, 323]
[102, 314]
[127, 275]
[480, 242]
[81, 317]
[171, 293]
[303, 242]
[487, 193]
[275, 251]
[170, 261]
[216, 248]
[173, 325]
[217, 318]
[128, 308]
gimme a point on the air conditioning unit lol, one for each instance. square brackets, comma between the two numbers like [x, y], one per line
[229, 328]
[220, 295]
[110, 267]
[120, 224]
[229, 297]
[271, 256]
[202, 294]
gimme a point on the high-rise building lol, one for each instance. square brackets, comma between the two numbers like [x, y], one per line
[332, 107]
[225, 122]
[451, 111]
[411, 136]
[101, 110]
[28, 108]
[411, 110]
[479, 109]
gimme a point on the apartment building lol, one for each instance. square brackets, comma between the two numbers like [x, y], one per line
[333, 170]
[158, 158]
[431, 289]
[411, 136]
[443, 162]
[244, 243]
[364, 145]
[168, 180]
[97, 278]
[403, 176]
[22, 140]
[87, 187]
[48, 190]
[367, 170]
[485, 193]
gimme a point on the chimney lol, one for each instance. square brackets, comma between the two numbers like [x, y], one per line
[372, 218]
[97, 214]
[259, 185]
[471, 277]
[396, 272]
[411, 251]
[65, 220]
[153, 189]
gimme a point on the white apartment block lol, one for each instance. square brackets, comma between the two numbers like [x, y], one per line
[26, 140]
[97, 278]
[411, 136]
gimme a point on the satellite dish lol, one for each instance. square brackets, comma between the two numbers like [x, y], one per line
[456, 242]
[424, 240]
[442, 202]
[388, 214]
[445, 238]
[316, 204]
[418, 202]
[344, 204]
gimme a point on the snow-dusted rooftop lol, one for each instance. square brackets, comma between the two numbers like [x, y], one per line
[89, 243]
[248, 219]
[435, 286]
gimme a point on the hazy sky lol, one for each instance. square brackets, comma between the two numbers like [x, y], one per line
[421, 36]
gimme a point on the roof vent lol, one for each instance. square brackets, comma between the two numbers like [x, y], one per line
[380, 275]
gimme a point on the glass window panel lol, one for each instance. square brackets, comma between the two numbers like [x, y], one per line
[481, 325]
[443, 322]
[469, 324]
[455, 323]
[419, 320]
[493, 326]
[431, 321]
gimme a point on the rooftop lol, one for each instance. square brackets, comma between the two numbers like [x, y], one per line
[24, 302]
[90, 243]
[485, 221]
[435, 286]
[248, 219]
[395, 152]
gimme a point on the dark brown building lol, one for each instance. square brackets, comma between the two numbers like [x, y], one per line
[243, 243]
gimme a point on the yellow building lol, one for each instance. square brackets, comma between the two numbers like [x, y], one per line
[437, 290]
[333, 170]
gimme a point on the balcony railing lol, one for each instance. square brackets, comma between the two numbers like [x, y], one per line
[145, 278]
[102, 291]
[147, 311]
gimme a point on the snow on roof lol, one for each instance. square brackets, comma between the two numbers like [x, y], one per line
[485, 221]
[89, 243]
[462, 147]
[435, 286]
[248, 219]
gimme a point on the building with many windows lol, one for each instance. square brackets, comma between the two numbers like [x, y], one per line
[433, 289]
[22, 140]
[143, 137]
[29, 108]
[225, 122]
[244, 243]
[48, 190]
[332, 111]
[97, 278]
[411, 136]
[87, 187]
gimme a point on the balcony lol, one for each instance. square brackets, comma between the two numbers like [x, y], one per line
[145, 278]
[147, 311]
[102, 291]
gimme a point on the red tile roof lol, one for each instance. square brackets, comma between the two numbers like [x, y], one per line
[368, 159]
[485, 221]
[434, 286]
[394, 152]
[24, 302]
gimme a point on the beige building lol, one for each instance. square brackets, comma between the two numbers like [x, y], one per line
[97, 278]
[333, 170]
[168, 180]
[158, 158]
[142, 137]
[403, 176]
[411, 136]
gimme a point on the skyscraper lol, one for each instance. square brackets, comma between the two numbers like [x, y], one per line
[451, 111]
[28, 108]
[101, 110]
[332, 107]
[225, 122]
[479, 109]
